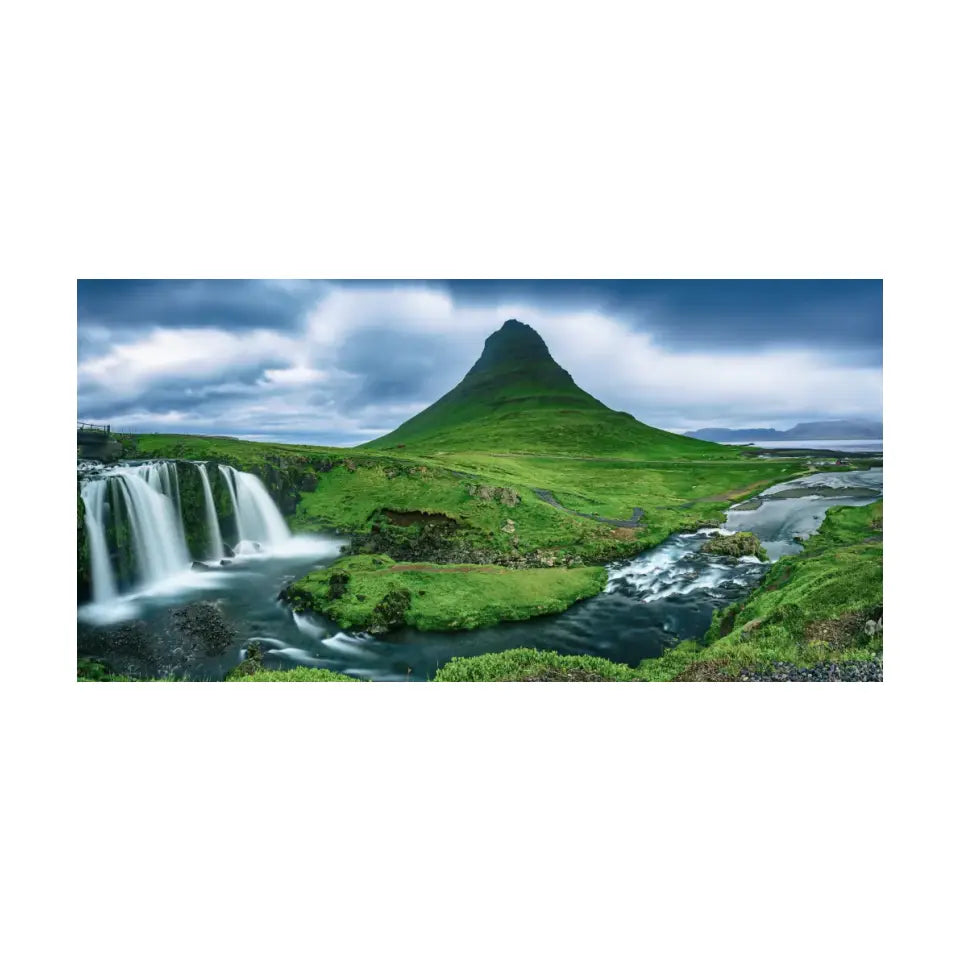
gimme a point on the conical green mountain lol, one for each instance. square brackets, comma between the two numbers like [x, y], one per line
[517, 399]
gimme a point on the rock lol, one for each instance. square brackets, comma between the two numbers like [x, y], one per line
[741, 544]
[226, 563]
[752, 625]
[203, 623]
[228, 551]
[390, 611]
[198, 565]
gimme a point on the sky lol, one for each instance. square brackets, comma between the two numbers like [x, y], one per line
[342, 362]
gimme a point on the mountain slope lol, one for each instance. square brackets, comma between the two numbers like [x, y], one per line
[517, 398]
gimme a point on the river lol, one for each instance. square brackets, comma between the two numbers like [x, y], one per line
[664, 595]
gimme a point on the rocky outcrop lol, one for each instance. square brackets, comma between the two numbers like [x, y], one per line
[504, 495]
[188, 639]
[737, 545]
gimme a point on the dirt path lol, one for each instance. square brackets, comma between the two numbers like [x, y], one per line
[547, 497]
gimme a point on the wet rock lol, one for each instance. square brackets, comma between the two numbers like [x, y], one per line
[741, 544]
[391, 611]
[850, 671]
[203, 623]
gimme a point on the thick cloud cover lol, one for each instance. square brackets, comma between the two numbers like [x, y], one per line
[343, 362]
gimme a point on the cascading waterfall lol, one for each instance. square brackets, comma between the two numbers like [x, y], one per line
[104, 586]
[214, 537]
[155, 523]
[258, 519]
[147, 497]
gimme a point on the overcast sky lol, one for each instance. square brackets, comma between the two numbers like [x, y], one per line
[341, 362]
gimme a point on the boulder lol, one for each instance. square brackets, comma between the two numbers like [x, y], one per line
[738, 545]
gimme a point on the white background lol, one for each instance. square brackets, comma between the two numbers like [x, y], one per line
[483, 140]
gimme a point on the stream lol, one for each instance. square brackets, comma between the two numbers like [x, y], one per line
[664, 595]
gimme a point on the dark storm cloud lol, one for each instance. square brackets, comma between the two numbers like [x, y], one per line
[129, 305]
[392, 365]
[342, 361]
[722, 314]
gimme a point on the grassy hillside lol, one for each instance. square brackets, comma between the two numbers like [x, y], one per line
[516, 398]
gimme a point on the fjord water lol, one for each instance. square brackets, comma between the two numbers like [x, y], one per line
[664, 595]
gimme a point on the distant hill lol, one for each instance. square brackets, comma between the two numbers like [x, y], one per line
[815, 430]
[517, 398]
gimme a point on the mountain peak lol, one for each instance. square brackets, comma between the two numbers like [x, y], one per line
[517, 397]
[514, 344]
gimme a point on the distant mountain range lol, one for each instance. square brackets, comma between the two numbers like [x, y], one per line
[816, 430]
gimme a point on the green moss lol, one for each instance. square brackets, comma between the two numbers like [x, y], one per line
[533, 665]
[93, 671]
[296, 675]
[439, 597]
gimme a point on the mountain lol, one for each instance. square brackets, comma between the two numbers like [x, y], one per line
[814, 430]
[517, 398]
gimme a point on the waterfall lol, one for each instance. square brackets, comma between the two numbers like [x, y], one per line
[258, 519]
[214, 537]
[155, 523]
[138, 509]
[93, 495]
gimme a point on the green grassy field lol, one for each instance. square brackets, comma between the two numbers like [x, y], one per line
[373, 592]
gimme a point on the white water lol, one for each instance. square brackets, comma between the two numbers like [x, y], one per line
[155, 523]
[94, 503]
[148, 497]
[214, 537]
[258, 519]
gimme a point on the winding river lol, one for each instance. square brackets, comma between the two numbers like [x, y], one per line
[664, 595]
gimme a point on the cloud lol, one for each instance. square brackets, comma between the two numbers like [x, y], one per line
[360, 359]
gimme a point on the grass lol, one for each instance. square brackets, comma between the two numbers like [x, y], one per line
[674, 497]
[295, 675]
[372, 592]
[533, 665]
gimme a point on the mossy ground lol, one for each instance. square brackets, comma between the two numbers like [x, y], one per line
[534, 665]
[296, 675]
[378, 593]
